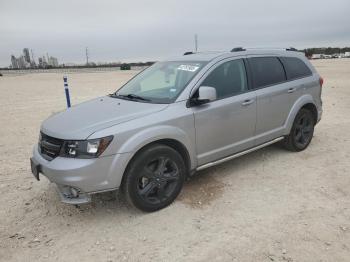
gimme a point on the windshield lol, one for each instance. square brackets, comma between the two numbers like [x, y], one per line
[160, 83]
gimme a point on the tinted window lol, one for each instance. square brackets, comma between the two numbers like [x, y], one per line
[295, 67]
[228, 79]
[162, 82]
[266, 71]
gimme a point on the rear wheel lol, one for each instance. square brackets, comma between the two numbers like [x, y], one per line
[154, 178]
[302, 131]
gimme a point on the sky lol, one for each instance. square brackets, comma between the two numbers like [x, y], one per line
[129, 30]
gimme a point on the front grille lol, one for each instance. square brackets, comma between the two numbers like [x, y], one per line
[49, 147]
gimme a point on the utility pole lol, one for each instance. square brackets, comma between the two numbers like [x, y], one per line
[87, 55]
[196, 43]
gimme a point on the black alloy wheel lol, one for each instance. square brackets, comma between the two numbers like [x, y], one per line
[154, 177]
[302, 131]
[158, 180]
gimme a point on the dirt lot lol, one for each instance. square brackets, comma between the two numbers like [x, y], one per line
[271, 205]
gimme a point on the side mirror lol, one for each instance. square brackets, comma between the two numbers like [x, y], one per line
[205, 95]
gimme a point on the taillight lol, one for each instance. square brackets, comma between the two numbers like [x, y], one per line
[321, 81]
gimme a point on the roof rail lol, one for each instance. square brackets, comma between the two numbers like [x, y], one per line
[237, 49]
[188, 53]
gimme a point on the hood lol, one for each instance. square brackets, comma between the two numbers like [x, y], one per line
[80, 121]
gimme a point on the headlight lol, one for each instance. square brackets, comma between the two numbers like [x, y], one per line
[85, 148]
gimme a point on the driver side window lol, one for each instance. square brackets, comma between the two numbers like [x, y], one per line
[228, 79]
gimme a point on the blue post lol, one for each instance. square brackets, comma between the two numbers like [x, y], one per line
[66, 91]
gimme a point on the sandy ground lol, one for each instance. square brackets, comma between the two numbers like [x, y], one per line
[271, 205]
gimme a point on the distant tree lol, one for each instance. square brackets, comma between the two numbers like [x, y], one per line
[125, 66]
[323, 50]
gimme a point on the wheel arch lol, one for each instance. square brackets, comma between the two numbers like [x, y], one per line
[165, 135]
[305, 101]
[170, 142]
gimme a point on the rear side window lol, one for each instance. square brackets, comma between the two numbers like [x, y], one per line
[266, 71]
[295, 68]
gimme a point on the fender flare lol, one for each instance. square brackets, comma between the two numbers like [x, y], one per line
[154, 134]
[143, 138]
[302, 101]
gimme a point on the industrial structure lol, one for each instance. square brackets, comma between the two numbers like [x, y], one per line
[27, 61]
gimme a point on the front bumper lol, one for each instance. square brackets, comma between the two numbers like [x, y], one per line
[77, 179]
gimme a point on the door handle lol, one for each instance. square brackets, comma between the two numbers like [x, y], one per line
[291, 90]
[247, 102]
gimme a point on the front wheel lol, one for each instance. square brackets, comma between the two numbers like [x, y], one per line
[302, 131]
[154, 178]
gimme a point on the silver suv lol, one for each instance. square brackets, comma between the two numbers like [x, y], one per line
[176, 117]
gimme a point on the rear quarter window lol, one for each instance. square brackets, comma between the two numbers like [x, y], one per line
[295, 68]
[266, 71]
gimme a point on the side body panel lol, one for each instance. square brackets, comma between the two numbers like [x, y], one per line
[224, 127]
[273, 107]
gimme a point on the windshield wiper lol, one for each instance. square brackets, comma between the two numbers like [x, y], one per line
[131, 97]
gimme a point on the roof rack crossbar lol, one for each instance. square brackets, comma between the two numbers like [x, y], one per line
[237, 49]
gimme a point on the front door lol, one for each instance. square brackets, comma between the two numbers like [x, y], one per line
[227, 125]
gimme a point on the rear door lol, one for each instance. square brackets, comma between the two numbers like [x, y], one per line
[297, 71]
[273, 100]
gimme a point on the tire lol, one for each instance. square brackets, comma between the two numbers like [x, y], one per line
[154, 178]
[302, 131]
